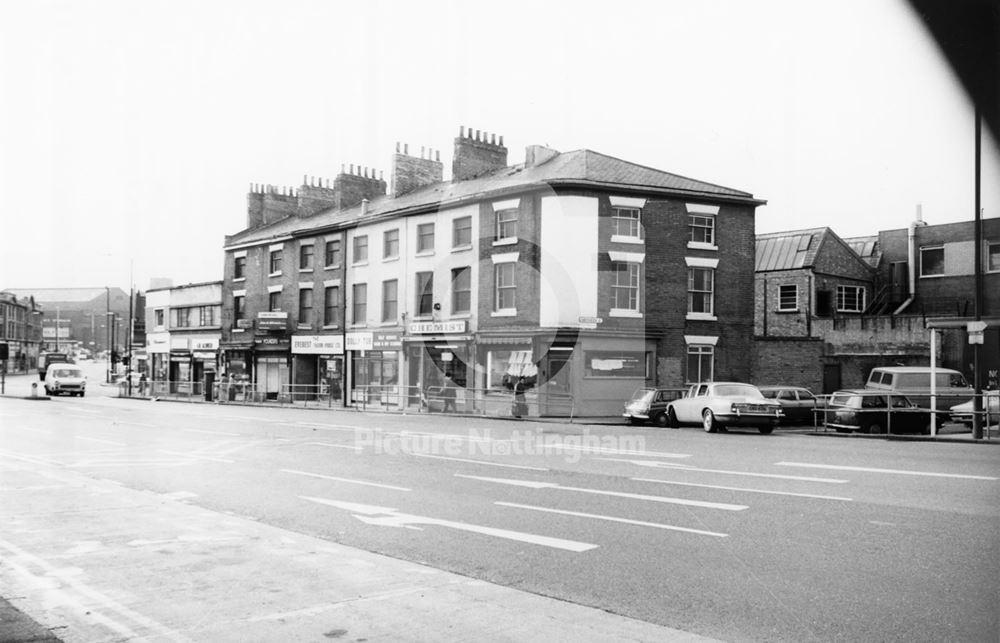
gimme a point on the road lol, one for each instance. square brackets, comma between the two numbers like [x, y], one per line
[732, 536]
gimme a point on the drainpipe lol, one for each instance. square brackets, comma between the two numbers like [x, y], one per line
[911, 266]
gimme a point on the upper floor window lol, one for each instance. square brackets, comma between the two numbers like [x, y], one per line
[239, 307]
[932, 261]
[625, 285]
[240, 267]
[390, 300]
[359, 309]
[274, 301]
[158, 316]
[306, 257]
[850, 299]
[626, 222]
[788, 297]
[390, 244]
[461, 290]
[461, 232]
[700, 360]
[425, 237]
[993, 257]
[701, 290]
[333, 253]
[275, 261]
[506, 224]
[505, 288]
[425, 293]
[360, 249]
[331, 306]
[702, 228]
[305, 305]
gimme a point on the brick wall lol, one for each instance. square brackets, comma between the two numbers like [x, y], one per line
[477, 154]
[788, 361]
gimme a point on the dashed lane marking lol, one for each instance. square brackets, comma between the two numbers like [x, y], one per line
[902, 472]
[485, 462]
[210, 432]
[627, 521]
[101, 441]
[687, 467]
[348, 480]
[765, 491]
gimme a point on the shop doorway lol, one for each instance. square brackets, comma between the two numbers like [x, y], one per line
[272, 374]
[559, 384]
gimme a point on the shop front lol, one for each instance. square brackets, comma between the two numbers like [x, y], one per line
[317, 367]
[439, 360]
[272, 373]
[374, 368]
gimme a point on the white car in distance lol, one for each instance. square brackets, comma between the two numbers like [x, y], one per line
[716, 405]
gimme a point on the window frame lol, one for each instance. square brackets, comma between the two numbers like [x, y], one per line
[460, 291]
[274, 301]
[239, 267]
[696, 222]
[860, 297]
[425, 238]
[782, 299]
[331, 310]
[633, 222]
[631, 289]
[390, 245]
[359, 246]
[359, 304]
[500, 289]
[701, 293]
[923, 263]
[305, 306]
[501, 224]
[699, 352]
[461, 234]
[307, 258]
[390, 315]
[239, 307]
[274, 262]
[423, 305]
[332, 253]
[988, 256]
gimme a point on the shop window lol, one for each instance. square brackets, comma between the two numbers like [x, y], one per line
[360, 249]
[461, 290]
[632, 364]
[390, 303]
[306, 257]
[788, 298]
[505, 367]
[461, 232]
[425, 294]
[359, 309]
[700, 361]
[624, 285]
[332, 253]
[626, 222]
[305, 305]
[425, 237]
[275, 262]
[850, 299]
[701, 290]
[331, 303]
[505, 288]
[390, 244]
[932, 261]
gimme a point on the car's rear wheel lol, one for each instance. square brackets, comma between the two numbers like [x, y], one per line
[660, 420]
[672, 418]
[874, 428]
[708, 421]
[766, 430]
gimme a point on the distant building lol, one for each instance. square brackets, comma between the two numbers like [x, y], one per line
[183, 332]
[587, 275]
[21, 331]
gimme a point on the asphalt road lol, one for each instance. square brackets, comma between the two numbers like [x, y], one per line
[735, 536]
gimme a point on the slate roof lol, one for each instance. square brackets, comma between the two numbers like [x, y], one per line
[788, 250]
[580, 167]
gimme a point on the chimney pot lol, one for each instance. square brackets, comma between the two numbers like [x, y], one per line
[406, 148]
[461, 131]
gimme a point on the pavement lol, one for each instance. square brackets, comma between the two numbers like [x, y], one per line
[374, 597]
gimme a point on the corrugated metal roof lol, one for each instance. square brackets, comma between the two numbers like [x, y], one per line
[580, 166]
[788, 250]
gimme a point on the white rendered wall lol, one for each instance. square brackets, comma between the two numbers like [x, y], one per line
[569, 236]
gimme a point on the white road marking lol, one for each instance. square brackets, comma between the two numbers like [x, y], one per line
[388, 517]
[27, 458]
[112, 442]
[774, 493]
[618, 494]
[641, 523]
[492, 464]
[196, 456]
[902, 472]
[210, 432]
[76, 415]
[180, 495]
[325, 427]
[688, 467]
[445, 436]
[89, 464]
[348, 480]
[39, 487]
[326, 607]
[337, 446]
[592, 449]
[142, 424]
[882, 523]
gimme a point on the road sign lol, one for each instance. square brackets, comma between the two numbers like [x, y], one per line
[976, 337]
[975, 326]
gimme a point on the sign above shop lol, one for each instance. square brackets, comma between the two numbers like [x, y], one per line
[358, 341]
[421, 328]
[244, 323]
[272, 314]
[387, 341]
[273, 321]
[318, 344]
[273, 342]
[205, 344]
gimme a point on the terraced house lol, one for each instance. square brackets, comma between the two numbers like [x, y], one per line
[577, 274]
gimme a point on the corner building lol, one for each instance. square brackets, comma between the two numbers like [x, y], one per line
[585, 275]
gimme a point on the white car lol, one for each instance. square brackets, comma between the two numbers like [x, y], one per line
[65, 378]
[715, 405]
[990, 404]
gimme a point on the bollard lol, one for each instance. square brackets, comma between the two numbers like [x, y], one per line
[34, 389]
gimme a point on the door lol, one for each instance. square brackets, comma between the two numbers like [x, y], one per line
[559, 387]
[831, 378]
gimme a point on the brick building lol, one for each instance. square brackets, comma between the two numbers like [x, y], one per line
[585, 274]
[828, 310]
[21, 331]
[184, 330]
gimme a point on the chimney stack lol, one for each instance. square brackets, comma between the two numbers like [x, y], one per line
[477, 154]
[410, 173]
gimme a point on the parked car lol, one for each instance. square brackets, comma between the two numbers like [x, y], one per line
[866, 411]
[991, 404]
[798, 404]
[65, 378]
[716, 405]
[650, 405]
[950, 386]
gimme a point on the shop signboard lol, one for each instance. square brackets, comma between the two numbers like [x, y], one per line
[271, 342]
[358, 341]
[387, 341]
[423, 328]
[244, 323]
[318, 344]
[211, 344]
[272, 320]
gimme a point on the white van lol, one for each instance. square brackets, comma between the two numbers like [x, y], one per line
[65, 378]
[914, 382]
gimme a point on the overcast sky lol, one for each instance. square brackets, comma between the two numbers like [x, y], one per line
[130, 131]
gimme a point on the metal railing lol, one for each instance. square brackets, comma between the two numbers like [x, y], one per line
[894, 414]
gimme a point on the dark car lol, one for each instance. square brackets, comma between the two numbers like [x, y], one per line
[650, 405]
[799, 404]
[869, 412]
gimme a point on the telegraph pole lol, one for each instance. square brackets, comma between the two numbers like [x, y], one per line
[977, 400]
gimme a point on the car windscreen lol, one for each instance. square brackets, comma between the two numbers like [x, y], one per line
[846, 399]
[738, 389]
[642, 395]
[66, 372]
